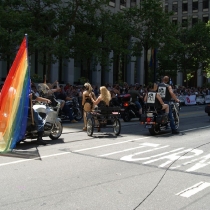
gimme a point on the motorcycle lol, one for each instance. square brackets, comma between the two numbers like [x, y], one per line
[52, 124]
[129, 109]
[207, 109]
[157, 121]
[76, 110]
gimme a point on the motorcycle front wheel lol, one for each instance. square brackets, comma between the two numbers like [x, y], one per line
[78, 114]
[176, 119]
[56, 130]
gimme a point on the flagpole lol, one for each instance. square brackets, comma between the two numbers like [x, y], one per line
[30, 98]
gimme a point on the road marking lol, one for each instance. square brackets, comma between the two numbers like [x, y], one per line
[86, 149]
[194, 189]
[65, 153]
[130, 157]
[125, 150]
[37, 158]
[107, 145]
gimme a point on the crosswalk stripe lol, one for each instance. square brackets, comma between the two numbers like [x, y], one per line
[194, 189]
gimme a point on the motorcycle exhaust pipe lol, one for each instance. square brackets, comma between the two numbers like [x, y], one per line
[132, 112]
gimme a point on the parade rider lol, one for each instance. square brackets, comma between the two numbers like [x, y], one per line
[166, 93]
[38, 119]
[153, 97]
[135, 98]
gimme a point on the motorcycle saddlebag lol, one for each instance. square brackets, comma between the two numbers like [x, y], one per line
[143, 117]
[207, 109]
[162, 119]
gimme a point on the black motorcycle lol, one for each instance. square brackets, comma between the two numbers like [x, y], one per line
[76, 110]
[207, 109]
[129, 109]
[157, 121]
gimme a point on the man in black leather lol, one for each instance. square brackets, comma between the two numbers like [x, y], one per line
[166, 93]
[134, 96]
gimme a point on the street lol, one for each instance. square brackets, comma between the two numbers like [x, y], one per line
[131, 171]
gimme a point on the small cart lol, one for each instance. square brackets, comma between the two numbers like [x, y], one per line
[104, 117]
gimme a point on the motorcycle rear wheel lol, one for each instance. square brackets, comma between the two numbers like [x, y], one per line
[56, 130]
[126, 116]
[155, 130]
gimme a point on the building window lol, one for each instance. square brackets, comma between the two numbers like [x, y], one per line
[175, 7]
[112, 3]
[205, 18]
[205, 5]
[133, 3]
[184, 7]
[175, 21]
[122, 4]
[184, 22]
[195, 6]
[166, 7]
[194, 20]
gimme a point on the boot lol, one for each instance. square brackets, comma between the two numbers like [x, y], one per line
[39, 140]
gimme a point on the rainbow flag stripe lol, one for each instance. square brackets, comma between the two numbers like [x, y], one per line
[14, 101]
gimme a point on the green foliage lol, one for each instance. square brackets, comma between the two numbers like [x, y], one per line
[83, 80]
[36, 78]
[88, 31]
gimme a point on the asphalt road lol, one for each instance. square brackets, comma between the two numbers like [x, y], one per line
[132, 171]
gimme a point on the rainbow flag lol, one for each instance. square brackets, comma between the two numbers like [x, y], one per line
[14, 101]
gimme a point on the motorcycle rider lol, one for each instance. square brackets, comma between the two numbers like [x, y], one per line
[166, 93]
[38, 119]
[114, 93]
[135, 95]
[153, 97]
[62, 96]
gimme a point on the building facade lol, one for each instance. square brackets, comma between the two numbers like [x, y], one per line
[189, 11]
[71, 71]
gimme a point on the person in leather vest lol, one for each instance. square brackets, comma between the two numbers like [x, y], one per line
[167, 94]
[152, 97]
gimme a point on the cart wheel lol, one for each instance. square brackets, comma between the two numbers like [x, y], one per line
[117, 127]
[90, 126]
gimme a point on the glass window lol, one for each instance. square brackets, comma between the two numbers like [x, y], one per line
[166, 7]
[195, 6]
[133, 3]
[184, 22]
[205, 18]
[184, 7]
[175, 7]
[123, 3]
[175, 21]
[205, 5]
[194, 20]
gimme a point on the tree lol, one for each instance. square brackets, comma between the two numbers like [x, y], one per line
[150, 26]
[193, 53]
